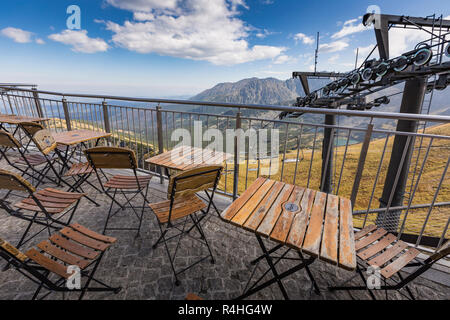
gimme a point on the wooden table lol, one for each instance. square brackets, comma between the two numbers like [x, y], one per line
[77, 138]
[74, 137]
[185, 157]
[14, 119]
[306, 220]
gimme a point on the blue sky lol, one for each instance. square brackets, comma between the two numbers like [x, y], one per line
[169, 48]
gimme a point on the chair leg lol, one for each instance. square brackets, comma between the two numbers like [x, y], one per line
[272, 267]
[163, 238]
[109, 212]
[202, 234]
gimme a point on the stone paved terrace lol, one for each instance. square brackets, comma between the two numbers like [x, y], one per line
[145, 273]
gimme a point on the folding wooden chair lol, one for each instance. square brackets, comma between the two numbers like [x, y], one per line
[47, 264]
[133, 185]
[80, 172]
[380, 249]
[33, 165]
[30, 128]
[45, 207]
[184, 203]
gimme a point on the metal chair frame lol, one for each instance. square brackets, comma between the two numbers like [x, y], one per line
[402, 282]
[182, 231]
[39, 175]
[40, 276]
[112, 192]
[47, 220]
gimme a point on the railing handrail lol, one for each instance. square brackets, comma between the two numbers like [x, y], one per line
[365, 114]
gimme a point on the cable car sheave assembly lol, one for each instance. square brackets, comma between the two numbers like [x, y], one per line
[374, 75]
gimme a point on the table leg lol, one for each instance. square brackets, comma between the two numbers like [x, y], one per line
[272, 267]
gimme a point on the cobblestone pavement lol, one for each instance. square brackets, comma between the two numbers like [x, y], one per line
[145, 273]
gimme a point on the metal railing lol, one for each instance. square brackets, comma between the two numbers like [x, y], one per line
[357, 159]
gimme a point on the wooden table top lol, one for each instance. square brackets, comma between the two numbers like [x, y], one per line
[313, 222]
[184, 158]
[14, 119]
[73, 137]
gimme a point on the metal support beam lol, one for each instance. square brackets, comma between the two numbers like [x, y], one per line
[159, 129]
[236, 156]
[327, 155]
[413, 96]
[106, 117]
[37, 103]
[66, 114]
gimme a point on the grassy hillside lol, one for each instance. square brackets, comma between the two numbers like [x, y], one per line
[427, 186]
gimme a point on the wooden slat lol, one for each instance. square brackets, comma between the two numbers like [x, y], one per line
[92, 234]
[229, 212]
[388, 254]
[30, 207]
[329, 249]
[364, 242]
[399, 263]
[73, 247]
[60, 194]
[363, 232]
[298, 228]
[42, 197]
[48, 263]
[313, 236]
[83, 239]
[260, 212]
[246, 210]
[347, 255]
[284, 222]
[377, 247]
[268, 223]
[63, 255]
[46, 204]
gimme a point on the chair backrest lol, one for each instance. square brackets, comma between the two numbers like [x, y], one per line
[31, 128]
[44, 140]
[194, 180]
[12, 181]
[111, 158]
[8, 140]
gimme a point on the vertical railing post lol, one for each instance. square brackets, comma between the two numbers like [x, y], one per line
[37, 103]
[106, 117]
[66, 114]
[236, 155]
[159, 129]
[361, 163]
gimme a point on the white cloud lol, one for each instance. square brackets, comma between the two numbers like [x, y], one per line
[304, 38]
[363, 52]
[80, 41]
[350, 27]
[333, 46]
[198, 30]
[40, 41]
[143, 5]
[333, 58]
[18, 35]
[282, 59]
[143, 16]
